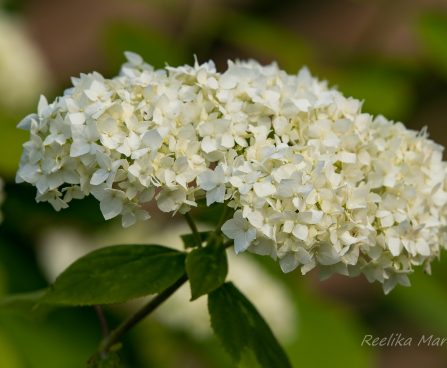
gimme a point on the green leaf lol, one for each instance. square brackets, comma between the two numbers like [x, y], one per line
[239, 326]
[21, 300]
[26, 304]
[116, 274]
[188, 239]
[206, 268]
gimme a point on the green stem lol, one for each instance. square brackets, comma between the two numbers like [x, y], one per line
[127, 324]
[193, 227]
[114, 336]
[102, 320]
[228, 243]
[223, 218]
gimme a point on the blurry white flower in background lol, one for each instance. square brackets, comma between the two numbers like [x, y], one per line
[59, 247]
[23, 74]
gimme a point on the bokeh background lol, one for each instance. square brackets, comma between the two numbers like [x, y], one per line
[392, 54]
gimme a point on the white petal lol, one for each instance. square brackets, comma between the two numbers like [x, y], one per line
[289, 262]
[208, 145]
[206, 180]
[227, 141]
[42, 106]
[300, 231]
[327, 255]
[264, 189]
[302, 104]
[347, 157]
[133, 58]
[25, 123]
[77, 118]
[99, 177]
[79, 148]
[243, 240]
[153, 139]
[310, 217]
[231, 228]
[423, 248]
[111, 207]
[215, 195]
[395, 246]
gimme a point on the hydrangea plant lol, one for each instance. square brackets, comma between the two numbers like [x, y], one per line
[305, 177]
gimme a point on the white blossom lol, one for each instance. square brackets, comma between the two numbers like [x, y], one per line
[239, 229]
[23, 73]
[213, 182]
[313, 180]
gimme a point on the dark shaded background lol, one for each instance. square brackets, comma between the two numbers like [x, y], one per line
[392, 54]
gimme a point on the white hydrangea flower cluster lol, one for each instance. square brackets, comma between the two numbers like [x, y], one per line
[23, 73]
[312, 179]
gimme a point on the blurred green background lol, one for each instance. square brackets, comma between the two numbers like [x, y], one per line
[392, 54]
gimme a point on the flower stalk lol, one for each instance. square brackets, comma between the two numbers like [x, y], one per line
[111, 339]
[194, 230]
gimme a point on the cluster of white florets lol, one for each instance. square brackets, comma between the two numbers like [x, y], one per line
[312, 179]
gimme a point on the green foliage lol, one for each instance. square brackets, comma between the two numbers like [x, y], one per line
[207, 269]
[209, 215]
[189, 241]
[433, 33]
[9, 356]
[383, 90]
[268, 40]
[156, 48]
[239, 326]
[26, 304]
[316, 314]
[20, 273]
[116, 274]
[329, 334]
[111, 360]
[427, 311]
[64, 339]
[11, 144]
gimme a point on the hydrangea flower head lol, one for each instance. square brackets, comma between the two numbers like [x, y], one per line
[313, 180]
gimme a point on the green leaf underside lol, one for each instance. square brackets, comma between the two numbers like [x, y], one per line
[23, 299]
[26, 304]
[239, 326]
[207, 269]
[116, 274]
[189, 241]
